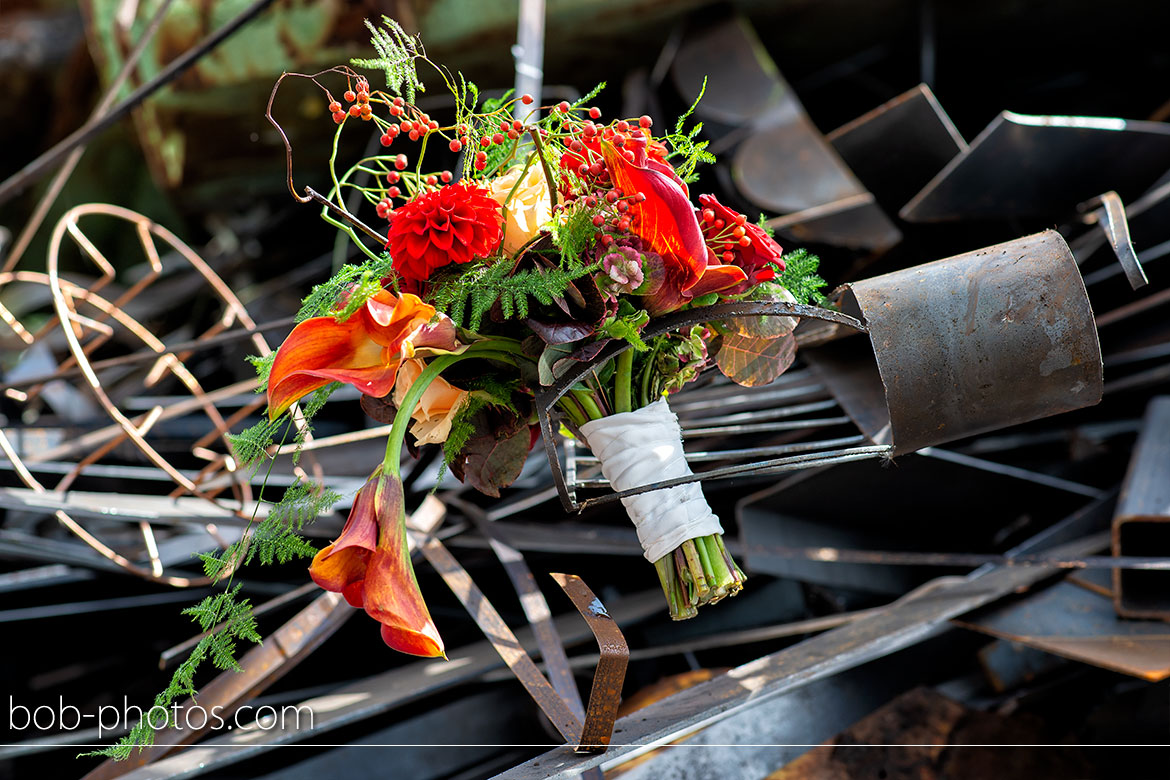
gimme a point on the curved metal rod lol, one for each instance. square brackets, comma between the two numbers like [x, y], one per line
[547, 398]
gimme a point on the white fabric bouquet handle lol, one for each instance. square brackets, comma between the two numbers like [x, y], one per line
[643, 447]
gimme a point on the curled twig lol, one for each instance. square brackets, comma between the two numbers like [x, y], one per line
[312, 195]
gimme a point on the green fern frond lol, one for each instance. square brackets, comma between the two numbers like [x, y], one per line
[574, 234]
[347, 290]
[228, 621]
[250, 446]
[461, 427]
[263, 366]
[800, 277]
[683, 144]
[468, 295]
[397, 52]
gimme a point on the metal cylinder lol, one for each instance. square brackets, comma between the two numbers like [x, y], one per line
[975, 342]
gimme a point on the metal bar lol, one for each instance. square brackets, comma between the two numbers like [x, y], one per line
[529, 55]
[1136, 307]
[776, 465]
[15, 183]
[147, 355]
[792, 425]
[100, 605]
[177, 409]
[535, 607]
[915, 558]
[42, 576]
[1142, 521]
[758, 415]
[503, 640]
[611, 665]
[754, 452]
[1013, 471]
[828, 654]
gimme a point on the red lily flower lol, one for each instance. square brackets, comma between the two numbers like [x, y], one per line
[665, 220]
[369, 564]
[752, 251]
[364, 351]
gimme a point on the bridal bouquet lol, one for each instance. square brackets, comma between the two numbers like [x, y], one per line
[509, 248]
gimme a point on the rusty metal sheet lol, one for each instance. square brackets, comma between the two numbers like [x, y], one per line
[782, 162]
[1022, 165]
[1141, 525]
[1073, 622]
[975, 342]
[764, 679]
[854, 222]
[898, 147]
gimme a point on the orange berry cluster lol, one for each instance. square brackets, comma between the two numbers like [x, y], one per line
[360, 100]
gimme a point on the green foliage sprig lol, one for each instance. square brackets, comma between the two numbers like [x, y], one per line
[683, 144]
[466, 296]
[225, 620]
[347, 290]
[397, 51]
[800, 277]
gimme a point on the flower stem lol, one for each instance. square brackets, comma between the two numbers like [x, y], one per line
[585, 398]
[676, 598]
[495, 350]
[622, 395]
[702, 591]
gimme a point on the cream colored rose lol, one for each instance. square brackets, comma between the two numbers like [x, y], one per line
[528, 209]
[435, 410]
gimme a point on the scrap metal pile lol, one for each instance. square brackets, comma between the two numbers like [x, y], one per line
[954, 508]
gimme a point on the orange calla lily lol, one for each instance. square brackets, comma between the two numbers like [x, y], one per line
[369, 564]
[364, 351]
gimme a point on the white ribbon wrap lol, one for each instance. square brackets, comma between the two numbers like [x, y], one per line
[642, 447]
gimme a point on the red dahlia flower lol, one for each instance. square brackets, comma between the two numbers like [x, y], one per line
[369, 564]
[455, 223]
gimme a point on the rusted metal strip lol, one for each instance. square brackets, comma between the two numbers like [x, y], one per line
[503, 640]
[611, 665]
[1107, 211]
[535, 607]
